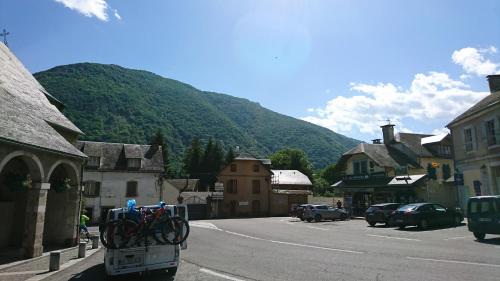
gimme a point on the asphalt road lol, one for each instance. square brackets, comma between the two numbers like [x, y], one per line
[287, 249]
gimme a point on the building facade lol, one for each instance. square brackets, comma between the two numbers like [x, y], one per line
[39, 164]
[117, 172]
[247, 187]
[404, 168]
[289, 189]
[476, 139]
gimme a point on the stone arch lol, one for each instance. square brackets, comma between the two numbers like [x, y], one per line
[61, 213]
[14, 199]
[66, 163]
[31, 160]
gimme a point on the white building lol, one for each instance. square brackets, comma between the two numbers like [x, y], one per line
[117, 172]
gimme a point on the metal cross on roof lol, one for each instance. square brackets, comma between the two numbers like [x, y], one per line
[4, 34]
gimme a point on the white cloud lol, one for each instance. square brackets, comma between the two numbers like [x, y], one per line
[440, 131]
[116, 14]
[90, 8]
[474, 61]
[432, 96]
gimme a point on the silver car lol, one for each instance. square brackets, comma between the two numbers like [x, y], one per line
[324, 212]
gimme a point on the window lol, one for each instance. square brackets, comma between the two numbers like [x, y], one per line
[232, 186]
[444, 150]
[256, 167]
[469, 146]
[93, 162]
[92, 189]
[131, 189]
[233, 168]
[256, 186]
[361, 167]
[439, 208]
[372, 167]
[134, 163]
[490, 132]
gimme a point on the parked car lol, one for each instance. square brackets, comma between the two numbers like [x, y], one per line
[483, 215]
[324, 212]
[299, 211]
[380, 213]
[424, 215]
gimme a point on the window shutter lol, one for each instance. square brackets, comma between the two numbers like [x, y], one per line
[97, 189]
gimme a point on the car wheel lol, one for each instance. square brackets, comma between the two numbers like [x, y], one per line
[372, 223]
[423, 224]
[309, 219]
[302, 218]
[402, 226]
[479, 236]
[317, 218]
[458, 220]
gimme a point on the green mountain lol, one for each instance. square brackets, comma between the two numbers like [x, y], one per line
[115, 104]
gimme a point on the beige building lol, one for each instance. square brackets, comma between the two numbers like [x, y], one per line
[117, 172]
[39, 165]
[247, 187]
[404, 168]
[476, 139]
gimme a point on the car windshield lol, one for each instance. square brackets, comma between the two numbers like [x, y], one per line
[373, 209]
[406, 208]
[322, 207]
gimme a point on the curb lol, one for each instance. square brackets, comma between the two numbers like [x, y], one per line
[64, 266]
[21, 262]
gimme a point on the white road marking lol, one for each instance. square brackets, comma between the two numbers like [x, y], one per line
[455, 261]
[454, 238]
[202, 224]
[320, 228]
[392, 237]
[22, 272]
[224, 276]
[295, 244]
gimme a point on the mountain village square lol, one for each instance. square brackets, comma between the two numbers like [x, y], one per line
[95, 184]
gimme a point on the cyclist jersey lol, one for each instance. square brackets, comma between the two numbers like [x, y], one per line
[83, 219]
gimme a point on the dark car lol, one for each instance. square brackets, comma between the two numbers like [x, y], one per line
[483, 215]
[380, 213]
[299, 211]
[424, 215]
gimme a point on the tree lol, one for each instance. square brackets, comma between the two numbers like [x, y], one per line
[446, 171]
[193, 159]
[331, 174]
[292, 159]
[230, 155]
[157, 140]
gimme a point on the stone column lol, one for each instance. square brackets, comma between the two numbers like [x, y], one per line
[34, 219]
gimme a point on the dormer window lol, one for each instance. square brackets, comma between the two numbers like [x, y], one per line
[93, 162]
[134, 163]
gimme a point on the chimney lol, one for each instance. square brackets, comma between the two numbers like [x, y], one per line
[377, 141]
[388, 132]
[494, 82]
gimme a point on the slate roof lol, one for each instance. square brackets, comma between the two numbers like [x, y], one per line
[433, 139]
[414, 143]
[26, 115]
[114, 155]
[489, 101]
[289, 177]
[383, 155]
[181, 183]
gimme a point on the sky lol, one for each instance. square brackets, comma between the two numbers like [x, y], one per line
[346, 65]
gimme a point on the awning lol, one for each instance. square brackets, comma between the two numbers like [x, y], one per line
[292, 191]
[406, 180]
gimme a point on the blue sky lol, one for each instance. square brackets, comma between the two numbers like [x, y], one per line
[344, 65]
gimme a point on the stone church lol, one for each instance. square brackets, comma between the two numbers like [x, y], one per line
[40, 168]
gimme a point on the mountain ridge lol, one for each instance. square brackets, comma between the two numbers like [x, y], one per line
[116, 104]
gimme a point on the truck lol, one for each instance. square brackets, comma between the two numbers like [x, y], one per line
[152, 257]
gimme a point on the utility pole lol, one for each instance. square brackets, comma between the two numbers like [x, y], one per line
[4, 35]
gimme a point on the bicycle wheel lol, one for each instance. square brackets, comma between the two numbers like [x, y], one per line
[106, 235]
[175, 231]
[125, 233]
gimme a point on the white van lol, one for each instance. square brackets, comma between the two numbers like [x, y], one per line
[153, 257]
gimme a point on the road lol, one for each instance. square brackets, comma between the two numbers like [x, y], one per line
[287, 249]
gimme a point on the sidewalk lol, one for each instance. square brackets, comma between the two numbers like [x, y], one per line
[38, 268]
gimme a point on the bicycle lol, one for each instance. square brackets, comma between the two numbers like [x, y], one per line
[130, 230]
[84, 235]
